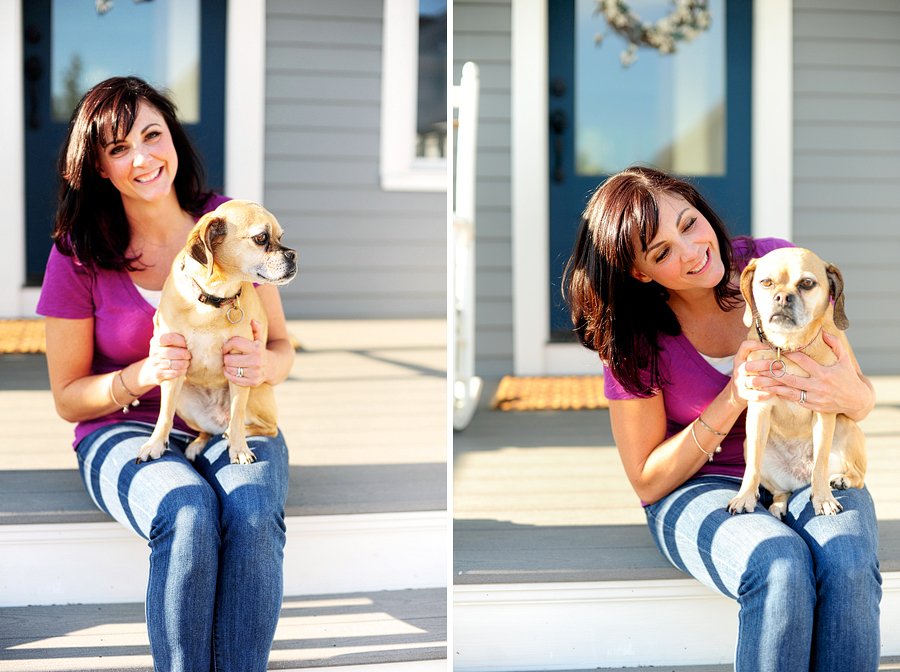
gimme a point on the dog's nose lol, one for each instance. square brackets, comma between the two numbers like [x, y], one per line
[290, 255]
[784, 298]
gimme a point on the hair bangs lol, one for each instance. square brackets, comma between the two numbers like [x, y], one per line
[115, 118]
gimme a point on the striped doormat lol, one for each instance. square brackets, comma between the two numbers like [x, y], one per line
[545, 393]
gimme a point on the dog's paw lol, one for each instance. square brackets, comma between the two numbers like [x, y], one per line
[826, 506]
[779, 510]
[742, 504]
[151, 450]
[195, 448]
[241, 455]
[839, 482]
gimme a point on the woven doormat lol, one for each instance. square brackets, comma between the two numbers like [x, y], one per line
[22, 337]
[545, 393]
[27, 337]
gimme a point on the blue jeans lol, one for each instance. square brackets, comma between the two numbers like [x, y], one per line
[216, 534]
[808, 588]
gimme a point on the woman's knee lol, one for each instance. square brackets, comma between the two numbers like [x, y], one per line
[251, 516]
[188, 515]
[781, 568]
[846, 565]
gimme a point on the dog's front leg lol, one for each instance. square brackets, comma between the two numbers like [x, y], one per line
[238, 449]
[159, 439]
[824, 503]
[758, 423]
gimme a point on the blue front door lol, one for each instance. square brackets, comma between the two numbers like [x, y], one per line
[688, 113]
[70, 45]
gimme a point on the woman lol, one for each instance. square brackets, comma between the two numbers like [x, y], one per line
[132, 189]
[653, 289]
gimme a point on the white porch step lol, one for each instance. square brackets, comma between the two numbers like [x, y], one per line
[522, 627]
[102, 562]
[385, 631]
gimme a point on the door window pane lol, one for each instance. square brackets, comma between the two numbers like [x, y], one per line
[665, 110]
[158, 41]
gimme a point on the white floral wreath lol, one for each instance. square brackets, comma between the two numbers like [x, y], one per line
[690, 18]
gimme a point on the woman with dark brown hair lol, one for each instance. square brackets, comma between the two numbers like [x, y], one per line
[132, 189]
[653, 288]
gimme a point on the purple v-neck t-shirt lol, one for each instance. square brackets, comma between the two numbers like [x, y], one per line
[692, 382]
[123, 324]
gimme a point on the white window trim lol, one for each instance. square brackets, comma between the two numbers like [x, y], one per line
[401, 169]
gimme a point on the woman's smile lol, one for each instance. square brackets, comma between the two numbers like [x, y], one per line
[702, 266]
[149, 177]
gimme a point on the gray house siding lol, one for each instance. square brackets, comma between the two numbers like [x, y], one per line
[363, 252]
[847, 161]
[482, 33]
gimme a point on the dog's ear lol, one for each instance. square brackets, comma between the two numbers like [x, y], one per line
[836, 286]
[203, 240]
[747, 290]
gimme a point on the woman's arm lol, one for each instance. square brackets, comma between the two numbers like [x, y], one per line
[80, 396]
[656, 465]
[268, 362]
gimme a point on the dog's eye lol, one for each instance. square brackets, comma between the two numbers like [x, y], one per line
[807, 283]
[261, 239]
[765, 283]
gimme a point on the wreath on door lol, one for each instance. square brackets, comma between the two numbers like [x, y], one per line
[688, 20]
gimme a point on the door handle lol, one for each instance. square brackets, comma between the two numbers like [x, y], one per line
[559, 121]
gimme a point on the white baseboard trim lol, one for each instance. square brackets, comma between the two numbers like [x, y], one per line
[94, 563]
[578, 626]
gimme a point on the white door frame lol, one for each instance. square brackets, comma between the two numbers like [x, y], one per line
[771, 170]
[244, 133]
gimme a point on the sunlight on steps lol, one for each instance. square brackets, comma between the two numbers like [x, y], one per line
[399, 627]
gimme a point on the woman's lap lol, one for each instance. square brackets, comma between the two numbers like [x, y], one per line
[808, 587]
[698, 535]
[135, 494]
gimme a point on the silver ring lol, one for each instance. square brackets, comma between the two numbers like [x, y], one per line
[240, 373]
[170, 365]
[802, 396]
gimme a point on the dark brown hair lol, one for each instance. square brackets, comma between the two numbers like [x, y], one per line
[90, 221]
[613, 313]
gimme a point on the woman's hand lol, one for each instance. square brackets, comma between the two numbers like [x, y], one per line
[836, 388]
[746, 381]
[169, 357]
[245, 361]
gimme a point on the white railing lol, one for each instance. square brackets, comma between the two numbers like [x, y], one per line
[466, 385]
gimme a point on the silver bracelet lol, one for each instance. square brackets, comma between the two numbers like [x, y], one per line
[135, 396]
[717, 449]
[702, 424]
[112, 395]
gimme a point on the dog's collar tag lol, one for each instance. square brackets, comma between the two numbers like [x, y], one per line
[234, 307]
[775, 361]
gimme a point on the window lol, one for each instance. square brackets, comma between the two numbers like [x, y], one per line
[157, 41]
[414, 96]
[675, 103]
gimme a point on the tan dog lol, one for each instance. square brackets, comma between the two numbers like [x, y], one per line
[788, 294]
[208, 298]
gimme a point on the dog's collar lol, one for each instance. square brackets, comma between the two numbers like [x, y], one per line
[214, 301]
[780, 351]
[219, 301]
